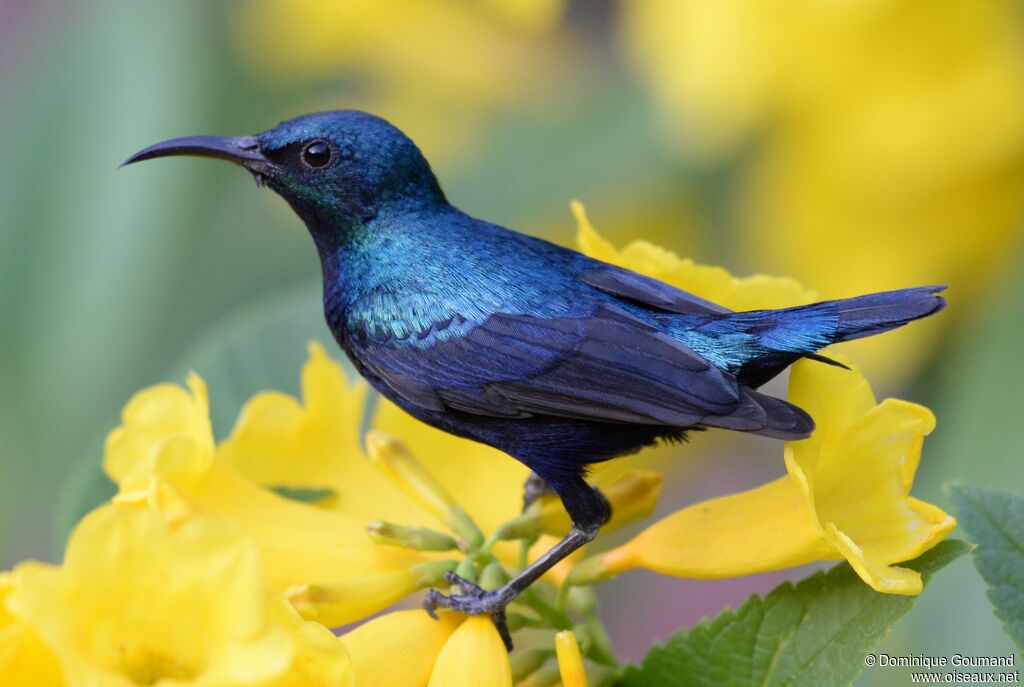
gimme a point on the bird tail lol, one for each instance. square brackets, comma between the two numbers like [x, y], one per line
[783, 336]
[880, 312]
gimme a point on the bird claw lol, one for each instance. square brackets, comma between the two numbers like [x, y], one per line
[472, 601]
[464, 585]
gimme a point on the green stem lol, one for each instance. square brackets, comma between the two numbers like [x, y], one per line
[600, 649]
[524, 552]
[555, 618]
[489, 542]
[562, 600]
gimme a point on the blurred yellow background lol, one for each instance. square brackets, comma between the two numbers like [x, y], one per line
[853, 146]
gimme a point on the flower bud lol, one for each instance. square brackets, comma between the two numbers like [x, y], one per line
[570, 662]
[348, 600]
[418, 538]
[392, 458]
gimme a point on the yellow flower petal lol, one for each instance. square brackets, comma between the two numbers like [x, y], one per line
[767, 528]
[180, 475]
[474, 656]
[319, 660]
[152, 416]
[137, 602]
[393, 459]
[24, 659]
[883, 578]
[588, 240]
[531, 16]
[298, 542]
[278, 441]
[861, 486]
[570, 663]
[858, 473]
[833, 397]
[398, 649]
[712, 283]
[338, 603]
[845, 496]
[461, 466]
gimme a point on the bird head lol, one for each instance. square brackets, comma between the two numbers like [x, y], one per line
[336, 169]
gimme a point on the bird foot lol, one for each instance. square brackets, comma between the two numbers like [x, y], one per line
[473, 600]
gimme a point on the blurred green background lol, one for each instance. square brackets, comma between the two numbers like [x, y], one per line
[854, 146]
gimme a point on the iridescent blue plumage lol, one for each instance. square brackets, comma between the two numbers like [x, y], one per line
[557, 359]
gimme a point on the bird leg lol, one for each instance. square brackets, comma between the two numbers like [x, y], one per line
[475, 601]
[588, 510]
[534, 488]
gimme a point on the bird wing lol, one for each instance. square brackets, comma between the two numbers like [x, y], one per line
[607, 366]
[636, 287]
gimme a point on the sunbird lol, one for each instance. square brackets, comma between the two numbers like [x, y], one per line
[553, 357]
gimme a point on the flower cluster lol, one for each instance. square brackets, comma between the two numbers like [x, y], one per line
[225, 563]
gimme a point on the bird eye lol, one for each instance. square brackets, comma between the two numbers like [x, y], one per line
[316, 154]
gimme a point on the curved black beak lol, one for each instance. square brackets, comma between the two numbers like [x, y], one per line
[242, 150]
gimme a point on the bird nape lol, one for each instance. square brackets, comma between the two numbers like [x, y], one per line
[553, 357]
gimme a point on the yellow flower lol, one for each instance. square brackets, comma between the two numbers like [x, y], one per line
[474, 656]
[320, 37]
[319, 658]
[276, 432]
[889, 151]
[409, 649]
[24, 659]
[398, 649]
[437, 66]
[153, 416]
[570, 663]
[846, 495]
[164, 460]
[711, 283]
[323, 430]
[347, 600]
[462, 466]
[279, 441]
[138, 601]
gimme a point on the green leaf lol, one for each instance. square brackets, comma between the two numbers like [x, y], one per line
[303, 494]
[816, 632]
[995, 522]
